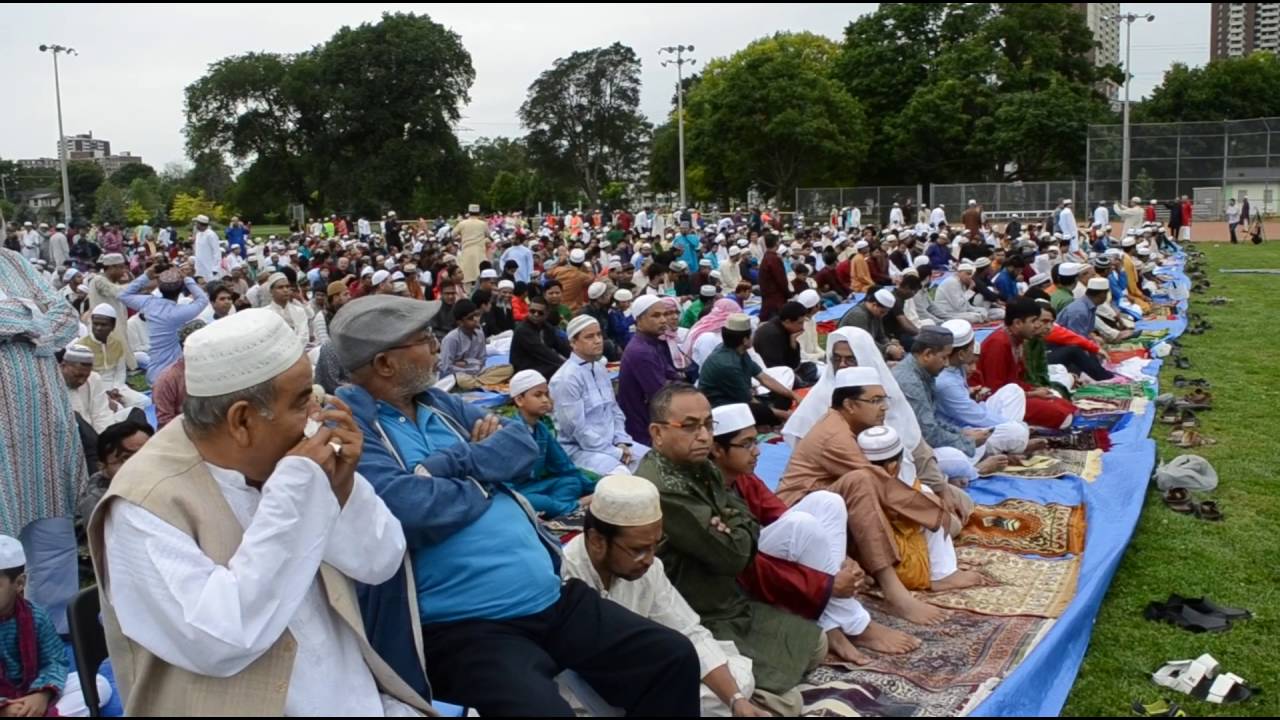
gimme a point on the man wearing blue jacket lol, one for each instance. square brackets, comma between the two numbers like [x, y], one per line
[496, 624]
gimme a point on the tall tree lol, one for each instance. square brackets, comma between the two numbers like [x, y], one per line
[362, 123]
[583, 121]
[772, 116]
[1224, 89]
[84, 177]
[125, 176]
[109, 204]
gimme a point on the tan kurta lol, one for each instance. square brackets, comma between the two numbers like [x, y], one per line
[474, 234]
[102, 290]
[860, 274]
[828, 458]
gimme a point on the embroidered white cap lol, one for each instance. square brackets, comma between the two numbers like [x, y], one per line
[732, 418]
[880, 443]
[626, 501]
[238, 352]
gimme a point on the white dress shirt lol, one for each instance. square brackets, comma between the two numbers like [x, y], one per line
[208, 255]
[216, 620]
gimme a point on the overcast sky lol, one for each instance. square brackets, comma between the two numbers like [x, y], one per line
[127, 83]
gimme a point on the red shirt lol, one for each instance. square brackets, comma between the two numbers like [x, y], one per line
[998, 365]
[774, 290]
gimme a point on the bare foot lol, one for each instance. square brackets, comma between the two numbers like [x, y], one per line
[1037, 445]
[886, 640]
[916, 611]
[838, 645]
[992, 464]
[959, 580]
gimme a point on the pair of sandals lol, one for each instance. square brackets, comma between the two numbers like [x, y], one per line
[1184, 381]
[1203, 679]
[1180, 501]
[1189, 437]
[1196, 615]
[1159, 708]
[1197, 399]
[1220, 300]
[1183, 418]
[1182, 363]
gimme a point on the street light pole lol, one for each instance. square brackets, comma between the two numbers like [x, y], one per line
[62, 141]
[679, 62]
[1129, 19]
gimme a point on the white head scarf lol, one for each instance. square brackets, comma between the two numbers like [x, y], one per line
[818, 401]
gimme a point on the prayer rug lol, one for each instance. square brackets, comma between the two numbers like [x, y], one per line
[1086, 464]
[1026, 527]
[1120, 355]
[1094, 406]
[958, 664]
[1097, 439]
[566, 525]
[1028, 586]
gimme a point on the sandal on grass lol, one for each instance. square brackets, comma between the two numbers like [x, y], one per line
[1178, 500]
[1186, 618]
[1159, 708]
[1192, 439]
[1182, 363]
[1202, 679]
[1208, 607]
[1209, 510]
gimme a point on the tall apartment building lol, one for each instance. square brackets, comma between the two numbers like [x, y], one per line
[1240, 28]
[1106, 33]
[85, 147]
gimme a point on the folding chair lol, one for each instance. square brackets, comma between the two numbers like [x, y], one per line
[89, 643]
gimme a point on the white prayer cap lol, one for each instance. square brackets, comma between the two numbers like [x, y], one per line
[1098, 283]
[1135, 200]
[1144, 249]
[981, 263]
[719, 237]
[880, 443]
[26, 224]
[238, 352]
[111, 259]
[580, 323]
[891, 238]
[1067, 201]
[738, 322]
[390, 263]
[626, 501]
[597, 289]
[105, 310]
[809, 299]
[920, 261]
[784, 250]
[277, 277]
[1129, 241]
[524, 381]
[885, 297]
[971, 202]
[643, 304]
[1039, 279]
[857, 377]
[11, 553]
[380, 277]
[70, 273]
[615, 263]
[488, 274]
[78, 354]
[646, 246]
[742, 242]
[506, 285]
[577, 256]
[961, 332]
[734, 251]
[623, 295]
[965, 267]
[202, 219]
[704, 262]
[1070, 269]
[732, 418]
[707, 291]
[366, 270]
[397, 276]
[1115, 252]
[679, 265]
[715, 275]
[861, 245]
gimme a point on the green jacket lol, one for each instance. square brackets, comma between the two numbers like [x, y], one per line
[704, 565]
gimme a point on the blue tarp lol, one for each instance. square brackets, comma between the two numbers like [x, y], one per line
[1040, 684]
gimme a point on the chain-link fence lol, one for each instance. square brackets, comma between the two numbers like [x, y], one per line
[875, 202]
[1241, 158]
[1000, 201]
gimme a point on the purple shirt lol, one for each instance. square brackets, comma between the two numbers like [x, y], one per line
[646, 368]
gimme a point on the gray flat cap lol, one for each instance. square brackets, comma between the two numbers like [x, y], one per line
[372, 324]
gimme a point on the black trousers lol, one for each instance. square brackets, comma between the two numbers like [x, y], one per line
[1077, 361]
[506, 667]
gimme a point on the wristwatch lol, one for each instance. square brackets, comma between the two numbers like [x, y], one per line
[736, 697]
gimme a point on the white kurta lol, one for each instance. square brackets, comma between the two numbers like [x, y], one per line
[1067, 224]
[1101, 218]
[208, 619]
[208, 255]
[590, 422]
[90, 403]
[896, 218]
[295, 316]
[59, 249]
[654, 598]
[937, 218]
[952, 302]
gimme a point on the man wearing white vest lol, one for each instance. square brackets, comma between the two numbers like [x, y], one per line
[226, 548]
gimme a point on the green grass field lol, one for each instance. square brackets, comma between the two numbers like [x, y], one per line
[1234, 562]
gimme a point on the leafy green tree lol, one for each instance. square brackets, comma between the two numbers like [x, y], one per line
[1223, 89]
[125, 176]
[109, 204]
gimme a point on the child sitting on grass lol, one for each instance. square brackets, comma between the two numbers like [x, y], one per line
[33, 664]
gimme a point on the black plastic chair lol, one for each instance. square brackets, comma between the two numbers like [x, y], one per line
[89, 642]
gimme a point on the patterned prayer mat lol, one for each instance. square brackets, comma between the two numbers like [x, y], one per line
[1028, 586]
[1094, 406]
[957, 666]
[1026, 527]
[566, 525]
[1056, 463]
[1073, 439]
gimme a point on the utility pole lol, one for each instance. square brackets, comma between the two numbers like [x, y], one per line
[679, 62]
[1129, 19]
[62, 143]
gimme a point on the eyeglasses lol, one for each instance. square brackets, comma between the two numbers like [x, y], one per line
[882, 401]
[693, 426]
[640, 555]
[748, 444]
[843, 360]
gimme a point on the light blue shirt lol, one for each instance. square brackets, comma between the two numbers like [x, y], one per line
[164, 319]
[524, 262]
[689, 245]
[496, 568]
[1079, 316]
[956, 405]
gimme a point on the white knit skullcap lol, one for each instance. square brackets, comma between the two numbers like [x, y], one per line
[961, 332]
[524, 381]
[809, 299]
[79, 354]
[885, 297]
[859, 376]
[597, 289]
[880, 443]
[643, 304]
[626, 501]
[732, 418]
[238, 352]
[105, 310]
[580, 323]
